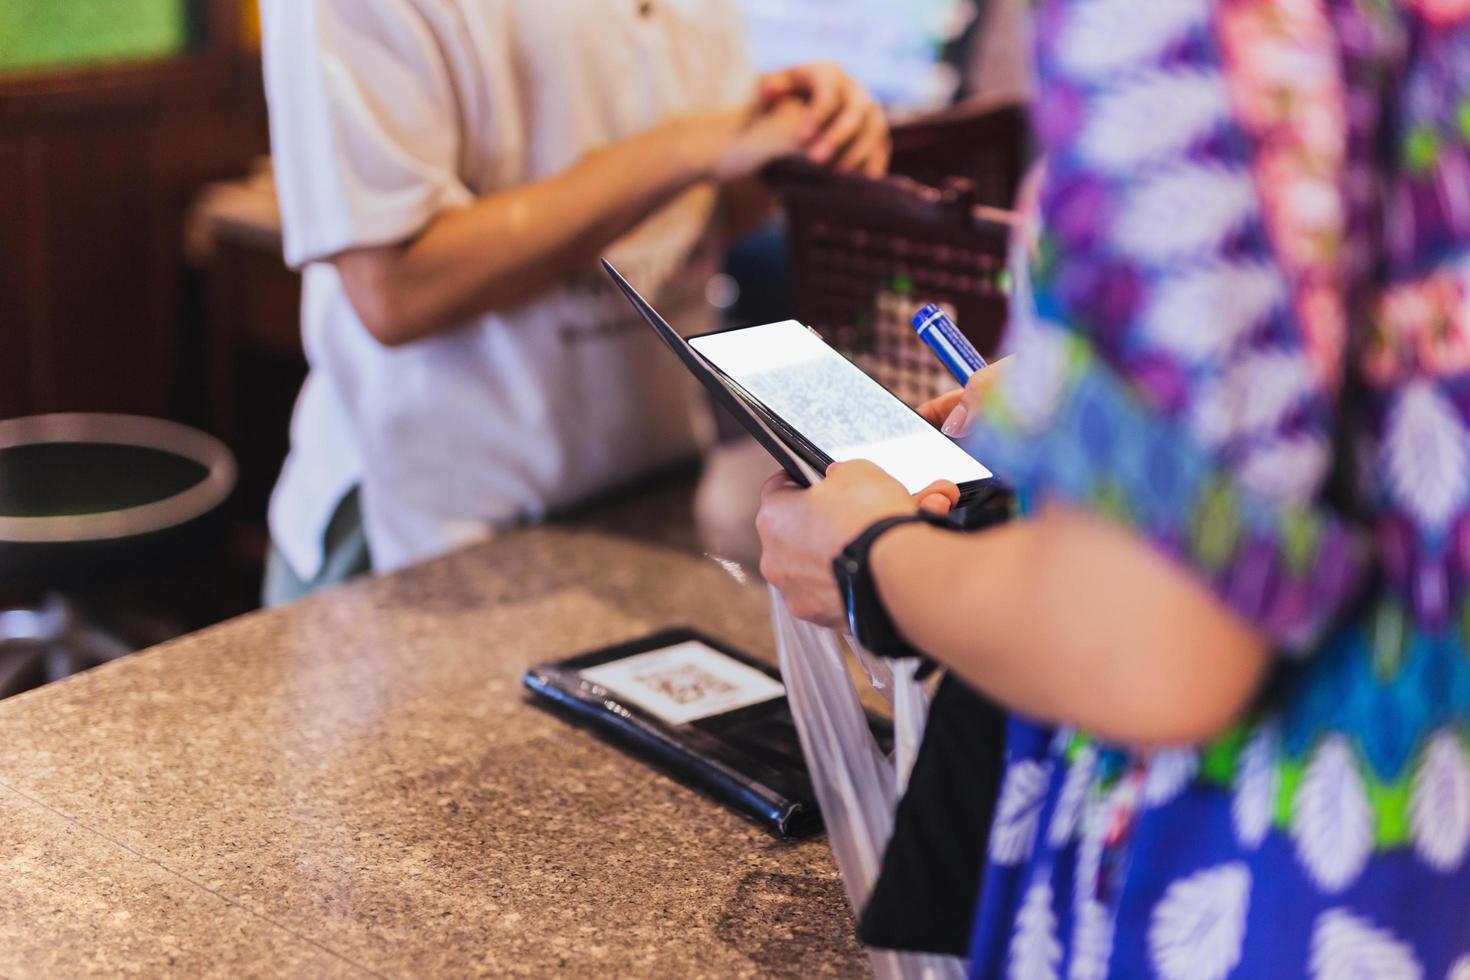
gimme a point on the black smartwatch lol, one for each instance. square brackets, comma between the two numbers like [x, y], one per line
[866, 616]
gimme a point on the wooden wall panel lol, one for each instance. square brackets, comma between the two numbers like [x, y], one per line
[92, 271]
[108, 318]
[22, 265]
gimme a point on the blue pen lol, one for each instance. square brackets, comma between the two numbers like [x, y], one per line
[953, 348]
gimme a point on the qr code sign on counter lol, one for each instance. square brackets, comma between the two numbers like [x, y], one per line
[685, 682]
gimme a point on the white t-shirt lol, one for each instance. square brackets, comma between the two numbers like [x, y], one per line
[385, 113]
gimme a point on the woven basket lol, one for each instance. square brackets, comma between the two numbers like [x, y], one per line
[866, 254]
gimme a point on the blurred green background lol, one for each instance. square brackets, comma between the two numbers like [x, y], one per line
[54, 33]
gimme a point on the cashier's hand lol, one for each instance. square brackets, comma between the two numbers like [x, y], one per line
[745, 140]
[802, 530]
[845, 128]
[955, 413]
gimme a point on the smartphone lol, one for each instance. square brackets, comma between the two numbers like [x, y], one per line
[829, 410]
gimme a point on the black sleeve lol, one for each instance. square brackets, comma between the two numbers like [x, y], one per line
[929, 886]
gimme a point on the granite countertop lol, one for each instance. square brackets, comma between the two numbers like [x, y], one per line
[357, 785]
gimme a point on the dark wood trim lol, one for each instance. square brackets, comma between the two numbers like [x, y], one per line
[220, 30]
[192, 79]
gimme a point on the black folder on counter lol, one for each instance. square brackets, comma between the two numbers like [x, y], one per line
[711, 716]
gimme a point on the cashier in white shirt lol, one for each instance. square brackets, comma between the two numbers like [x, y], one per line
[448, 172]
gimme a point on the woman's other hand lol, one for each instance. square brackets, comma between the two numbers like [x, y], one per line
[844, 127]
[955, 412]
[803, 530]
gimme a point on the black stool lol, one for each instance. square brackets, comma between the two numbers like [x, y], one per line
[86, 502]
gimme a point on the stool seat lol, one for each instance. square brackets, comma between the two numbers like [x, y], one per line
[87, 496]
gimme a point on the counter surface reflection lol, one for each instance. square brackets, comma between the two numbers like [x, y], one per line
[357, 785]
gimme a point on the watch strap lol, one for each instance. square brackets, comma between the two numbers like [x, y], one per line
[867, 617]
[859, 547]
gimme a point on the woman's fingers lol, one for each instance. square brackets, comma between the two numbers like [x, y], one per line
[966, 409]
[778, 483]
[939, 497]
[960, 419]
[936, 410]
[936, 503]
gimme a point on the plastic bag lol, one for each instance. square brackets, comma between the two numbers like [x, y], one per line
[857, 784]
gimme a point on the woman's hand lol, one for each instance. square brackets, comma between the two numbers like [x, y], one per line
[955, 413]
[845, 128]
[803, 530]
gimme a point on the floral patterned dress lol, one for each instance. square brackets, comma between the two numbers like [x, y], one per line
[1243, 330]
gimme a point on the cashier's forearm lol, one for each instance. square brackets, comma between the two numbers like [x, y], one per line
[508, 247]
[1066, 618]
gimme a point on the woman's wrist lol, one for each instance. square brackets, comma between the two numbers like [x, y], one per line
[888, 557]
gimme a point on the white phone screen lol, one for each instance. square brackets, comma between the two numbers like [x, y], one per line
[837, 407]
